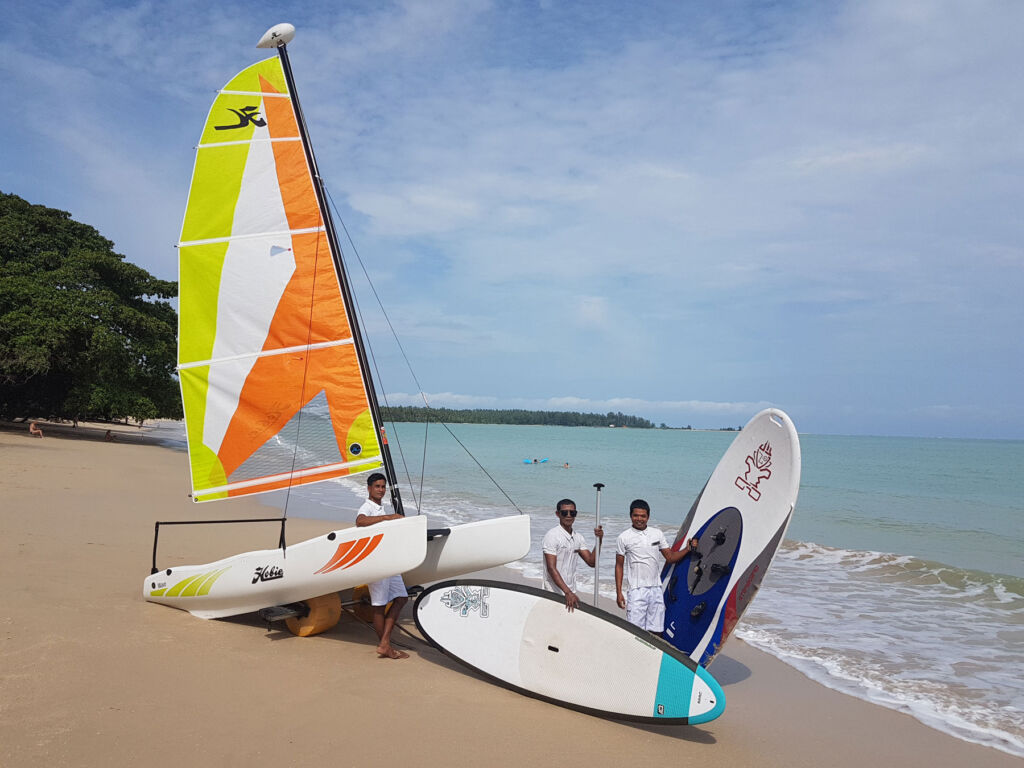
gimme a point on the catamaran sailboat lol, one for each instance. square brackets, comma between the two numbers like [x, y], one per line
[274, 373]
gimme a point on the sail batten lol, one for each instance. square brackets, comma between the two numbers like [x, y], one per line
[261, 94]
[214, 144]
[267, 353]
[253, 235]
[272, 386]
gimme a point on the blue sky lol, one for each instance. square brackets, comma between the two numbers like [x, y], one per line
[686, 211]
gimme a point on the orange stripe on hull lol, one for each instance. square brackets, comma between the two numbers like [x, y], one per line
[352, 554]
[366, 552]
[339, 553]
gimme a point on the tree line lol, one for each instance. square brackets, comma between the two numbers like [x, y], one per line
[409, 413]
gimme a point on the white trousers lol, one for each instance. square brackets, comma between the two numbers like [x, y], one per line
[384, 591]
[645, 607]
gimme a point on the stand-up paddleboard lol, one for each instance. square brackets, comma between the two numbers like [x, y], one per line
[523, 638]
[740, 518]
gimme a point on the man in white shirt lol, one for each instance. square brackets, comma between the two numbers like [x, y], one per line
[561, 545]
[391, 589]
[640, 552]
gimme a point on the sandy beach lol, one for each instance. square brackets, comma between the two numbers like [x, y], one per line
[92, 675]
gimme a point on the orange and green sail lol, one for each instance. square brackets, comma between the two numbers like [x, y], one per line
[270, 376]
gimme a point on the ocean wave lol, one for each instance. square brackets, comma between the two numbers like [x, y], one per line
[960, 711]
[941, 643]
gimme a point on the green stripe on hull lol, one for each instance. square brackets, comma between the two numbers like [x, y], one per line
[204, 588]
[193, 586]
[183, 585]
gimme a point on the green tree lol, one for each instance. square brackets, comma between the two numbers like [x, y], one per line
[410, 413]
[83, 333]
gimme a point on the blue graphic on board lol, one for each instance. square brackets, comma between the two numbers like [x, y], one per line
[696, 586]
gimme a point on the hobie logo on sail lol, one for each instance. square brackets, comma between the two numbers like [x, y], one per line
[246, 115]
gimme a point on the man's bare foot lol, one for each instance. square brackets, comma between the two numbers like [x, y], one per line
[391, 653]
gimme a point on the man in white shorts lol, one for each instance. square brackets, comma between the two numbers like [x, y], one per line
[561, 545]
[388, 590]
[641, 552]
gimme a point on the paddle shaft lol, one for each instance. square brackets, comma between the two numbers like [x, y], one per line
[597, 553]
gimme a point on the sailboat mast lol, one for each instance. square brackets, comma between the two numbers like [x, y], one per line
[346, 290]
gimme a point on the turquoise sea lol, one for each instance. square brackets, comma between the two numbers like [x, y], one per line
[901, 580]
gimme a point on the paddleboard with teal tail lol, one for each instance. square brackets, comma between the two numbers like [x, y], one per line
[524, 639]
[739, 519]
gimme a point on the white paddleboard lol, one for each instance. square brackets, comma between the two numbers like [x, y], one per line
[523, 638]
[255, 580]
[740, 518]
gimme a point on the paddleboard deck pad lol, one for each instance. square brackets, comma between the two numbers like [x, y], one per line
[739, 518]
[524, 639]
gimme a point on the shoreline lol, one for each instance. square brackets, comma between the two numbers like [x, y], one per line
[94, 675]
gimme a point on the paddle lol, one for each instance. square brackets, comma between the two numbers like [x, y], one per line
[597, 554]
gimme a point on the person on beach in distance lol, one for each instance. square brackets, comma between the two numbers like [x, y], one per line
[561, 545]
[640, 552]
[392, 589]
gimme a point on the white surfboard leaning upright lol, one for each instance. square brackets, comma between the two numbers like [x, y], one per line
[524, 639]
[740, 518]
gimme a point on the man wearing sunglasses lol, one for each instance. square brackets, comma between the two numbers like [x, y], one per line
[561, 545]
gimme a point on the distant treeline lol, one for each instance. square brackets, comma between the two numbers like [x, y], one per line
[409, 413]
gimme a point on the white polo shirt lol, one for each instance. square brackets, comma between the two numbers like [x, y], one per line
[642, 550]
[564, 546]
[371, 509]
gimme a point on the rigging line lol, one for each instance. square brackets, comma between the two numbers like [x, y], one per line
[423, 461]
[369, 347]
[405, 357]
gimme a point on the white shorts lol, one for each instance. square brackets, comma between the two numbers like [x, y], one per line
[384, 591]
[645, 607]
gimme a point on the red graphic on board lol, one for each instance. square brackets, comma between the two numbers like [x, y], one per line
[758, 464]
[730, 617]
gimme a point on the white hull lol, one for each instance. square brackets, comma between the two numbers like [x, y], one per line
[473, 547]
[329, 563]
